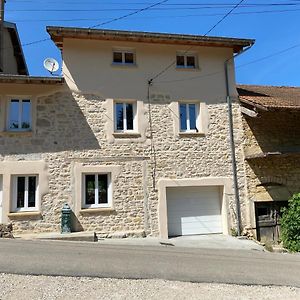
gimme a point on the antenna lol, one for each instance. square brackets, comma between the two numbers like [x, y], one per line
[51, 65]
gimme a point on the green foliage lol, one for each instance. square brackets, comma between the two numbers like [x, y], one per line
[290, 224]
[233, 232]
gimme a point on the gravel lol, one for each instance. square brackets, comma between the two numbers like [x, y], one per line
[46, 287]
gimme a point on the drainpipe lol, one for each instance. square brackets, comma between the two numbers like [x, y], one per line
[1, 34]
[232, 144]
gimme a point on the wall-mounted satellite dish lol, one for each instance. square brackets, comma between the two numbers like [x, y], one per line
[51, 65]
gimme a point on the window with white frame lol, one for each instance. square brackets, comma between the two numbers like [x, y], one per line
[125, 116]
[25, 191]
[96, 189]
[19, 115]
[125, 57]
[189, 113]
[186, 60]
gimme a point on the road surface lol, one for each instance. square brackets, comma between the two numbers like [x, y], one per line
[147, 262]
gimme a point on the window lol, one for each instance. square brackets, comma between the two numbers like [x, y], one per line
[188, 117]
[25, 193]
[96, 190]
[123, 57]
[19, 115]
[124, 116]
[186, 61]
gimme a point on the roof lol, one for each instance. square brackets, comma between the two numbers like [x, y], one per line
[270, 97]
[17, 47]
[59, 33]
[6, 78]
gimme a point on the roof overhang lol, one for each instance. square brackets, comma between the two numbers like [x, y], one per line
[21, 79]
[17, 47]
[59, 33]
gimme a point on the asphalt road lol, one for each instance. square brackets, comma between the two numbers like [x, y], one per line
[141, 262]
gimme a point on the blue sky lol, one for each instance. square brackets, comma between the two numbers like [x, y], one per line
[274, 24]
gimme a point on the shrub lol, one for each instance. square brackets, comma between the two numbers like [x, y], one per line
[290, 224]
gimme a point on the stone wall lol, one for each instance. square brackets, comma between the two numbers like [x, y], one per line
[6, 231]
[70, 129]
[275, 177]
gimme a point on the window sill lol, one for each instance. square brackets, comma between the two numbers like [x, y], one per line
[121, 65]
[127, 135]
[25, 215]
[191, 134]
[96, 210]
[188, 69]
[16, 133]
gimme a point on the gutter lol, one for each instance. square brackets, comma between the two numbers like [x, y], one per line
[232, 143]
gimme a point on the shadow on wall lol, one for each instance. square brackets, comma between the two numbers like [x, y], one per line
[278, 177]
[276, 131]
[60, 126]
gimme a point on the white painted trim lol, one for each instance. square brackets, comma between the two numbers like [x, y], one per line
[109, 192]
[134, 112]
[19, 98]
[14, 193]
[79, 170]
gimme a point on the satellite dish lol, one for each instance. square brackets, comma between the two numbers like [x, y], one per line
[51, 65]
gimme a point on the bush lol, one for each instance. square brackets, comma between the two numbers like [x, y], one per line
[290, 224]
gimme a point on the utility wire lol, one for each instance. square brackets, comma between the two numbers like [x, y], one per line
[214, 26]
[100, 24]
[130, 14]
[239, 66]
[158, 17]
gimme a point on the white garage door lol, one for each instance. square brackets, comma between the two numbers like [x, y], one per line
[194, 210]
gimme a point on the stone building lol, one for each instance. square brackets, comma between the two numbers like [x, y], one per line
[128, 150]
[271, 121]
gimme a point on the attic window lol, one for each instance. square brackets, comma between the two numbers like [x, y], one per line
[186, 60]
[124, 57]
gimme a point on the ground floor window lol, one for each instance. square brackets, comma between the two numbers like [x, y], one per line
[25, 192]
[96, 190]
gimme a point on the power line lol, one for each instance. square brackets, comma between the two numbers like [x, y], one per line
[100, 24]
[214, 26]
[239, 66]
[161, 16]
[151, 7]
[130, 14]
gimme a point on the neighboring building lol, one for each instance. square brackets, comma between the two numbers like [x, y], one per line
[13, 60]
[126, 156]
[271, 120]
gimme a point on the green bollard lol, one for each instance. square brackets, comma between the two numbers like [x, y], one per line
[66, 219]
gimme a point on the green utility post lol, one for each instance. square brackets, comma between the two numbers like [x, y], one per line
[66, 219]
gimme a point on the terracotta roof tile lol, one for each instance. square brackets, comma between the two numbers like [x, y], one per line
[270, 97]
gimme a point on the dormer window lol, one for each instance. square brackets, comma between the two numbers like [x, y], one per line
[186, 60]
[124, 57]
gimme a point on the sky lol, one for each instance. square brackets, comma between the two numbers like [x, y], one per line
[274, 24]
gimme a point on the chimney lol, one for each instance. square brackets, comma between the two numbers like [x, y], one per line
[1, 34]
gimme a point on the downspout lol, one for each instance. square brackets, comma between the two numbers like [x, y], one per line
[2, 2]
[232, 144]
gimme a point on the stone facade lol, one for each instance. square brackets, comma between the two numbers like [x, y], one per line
[271, 176]
[71, 130]
[6, 231]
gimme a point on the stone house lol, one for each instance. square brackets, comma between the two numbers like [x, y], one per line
[127, 153]
[271, 122]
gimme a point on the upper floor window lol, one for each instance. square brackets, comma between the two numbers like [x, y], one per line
[188, 117]
[125, 116]
[126, 57]
[19, 114]
[96, 190]
[186, 60]
[25, 193]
